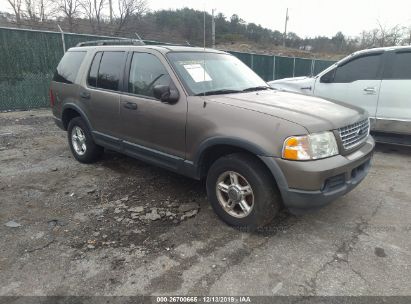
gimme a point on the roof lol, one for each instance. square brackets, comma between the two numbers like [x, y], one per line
[383, 49]
[371, 51]
[160, 48]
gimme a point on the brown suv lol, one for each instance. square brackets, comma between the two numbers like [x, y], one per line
[205, 114]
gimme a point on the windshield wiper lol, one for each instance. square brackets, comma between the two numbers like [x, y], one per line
[217, 92]
[259, 88]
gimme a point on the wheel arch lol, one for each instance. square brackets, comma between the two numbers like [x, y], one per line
[69, 112]
[212, 149]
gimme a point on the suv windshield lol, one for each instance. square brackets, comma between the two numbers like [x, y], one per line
[214, 73]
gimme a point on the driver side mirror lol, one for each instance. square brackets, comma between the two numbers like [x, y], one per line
[328, 77]
[166, 94]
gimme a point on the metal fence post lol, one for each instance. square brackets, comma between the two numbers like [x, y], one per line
[312, 66]
[252, 62]
[62, 38]
[294, 68]
[274, 68]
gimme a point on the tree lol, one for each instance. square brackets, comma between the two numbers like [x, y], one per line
[237, 24]
[128, 8]
[38, 10]
[70, 10]
[93, 9]
[339, 41]
[395, 35]
[31, 10]
[16, 5]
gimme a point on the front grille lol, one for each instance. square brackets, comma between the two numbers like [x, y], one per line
[355, 134]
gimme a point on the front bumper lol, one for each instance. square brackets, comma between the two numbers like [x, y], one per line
[312, 184]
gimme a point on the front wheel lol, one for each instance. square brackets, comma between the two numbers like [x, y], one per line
[81, 142]
[242, 192]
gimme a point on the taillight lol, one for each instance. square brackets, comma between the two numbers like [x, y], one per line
[51, 98]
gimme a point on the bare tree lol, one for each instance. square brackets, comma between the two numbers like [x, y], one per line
[70, 10]
[128, 8]
[384, 33]
[31, 10]
[110, 6]
[395, 35]
[16, 5]
[43, 10]
[374, 35]
[38, 10]
[94, 11]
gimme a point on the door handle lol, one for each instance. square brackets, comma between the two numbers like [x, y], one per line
[85, 95]
[130, 105]
[306, 88]
[370, 90]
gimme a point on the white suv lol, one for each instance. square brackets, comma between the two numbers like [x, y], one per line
[378, 80]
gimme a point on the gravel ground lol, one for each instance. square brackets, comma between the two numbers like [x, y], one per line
[122, 227]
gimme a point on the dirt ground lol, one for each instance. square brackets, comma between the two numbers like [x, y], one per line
[122, 227]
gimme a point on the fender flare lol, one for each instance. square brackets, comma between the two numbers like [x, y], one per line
[227, 141]
[76, 108]
[264, 156]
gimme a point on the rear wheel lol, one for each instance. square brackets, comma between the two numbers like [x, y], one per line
[81, 142]
[242, 192]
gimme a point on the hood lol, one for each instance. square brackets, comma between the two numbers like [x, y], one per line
[303, 84]
[313, 113]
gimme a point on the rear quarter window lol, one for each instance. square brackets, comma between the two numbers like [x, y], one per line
[68, 67]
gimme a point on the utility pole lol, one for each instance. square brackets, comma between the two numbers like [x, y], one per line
[285, 29]
[213, 28]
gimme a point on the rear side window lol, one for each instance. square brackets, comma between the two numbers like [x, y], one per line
[146, 72]
[363, 68]
[401, 67]
[68, 67]
[109, 72]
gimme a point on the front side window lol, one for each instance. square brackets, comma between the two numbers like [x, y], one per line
[401, 68]
[214, 73]
[109, 72]
[146, 72]
[362, 68]
[68, 67]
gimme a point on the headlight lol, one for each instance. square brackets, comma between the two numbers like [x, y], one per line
[312, 146]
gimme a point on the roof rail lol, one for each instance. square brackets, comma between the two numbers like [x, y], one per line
[111, 42]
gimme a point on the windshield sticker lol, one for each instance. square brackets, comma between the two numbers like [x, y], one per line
[197, 72]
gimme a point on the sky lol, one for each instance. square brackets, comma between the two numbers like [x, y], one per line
[306, 18]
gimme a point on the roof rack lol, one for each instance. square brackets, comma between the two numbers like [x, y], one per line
[111, 42]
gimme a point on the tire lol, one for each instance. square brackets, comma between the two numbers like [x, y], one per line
[84, 149]
[263, 203]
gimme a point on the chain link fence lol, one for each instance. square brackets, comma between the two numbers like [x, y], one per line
[28, 59]
[278, 67]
